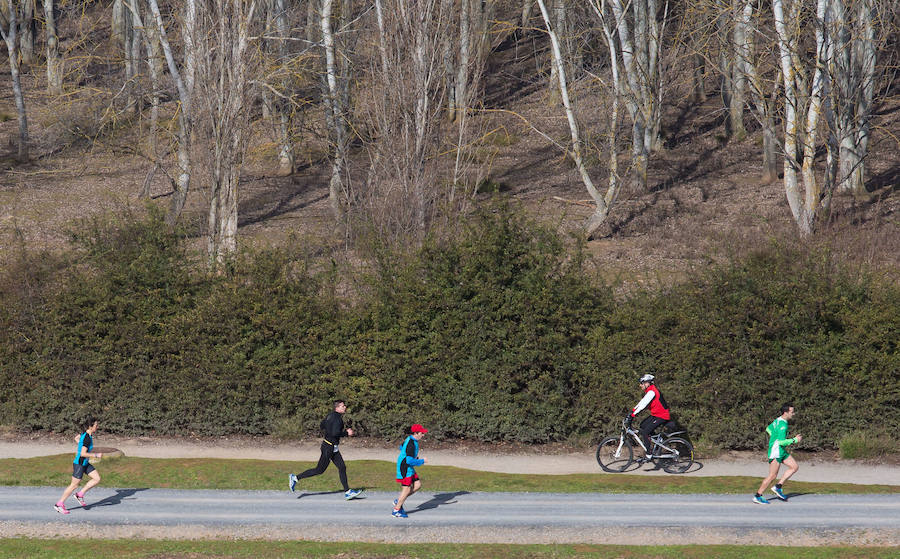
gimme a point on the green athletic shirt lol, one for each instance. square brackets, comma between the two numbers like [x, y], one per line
[777, 431]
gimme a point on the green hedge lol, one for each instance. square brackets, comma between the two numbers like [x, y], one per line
[500, 333]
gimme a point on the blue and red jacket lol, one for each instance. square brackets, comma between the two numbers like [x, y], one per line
[408, 458]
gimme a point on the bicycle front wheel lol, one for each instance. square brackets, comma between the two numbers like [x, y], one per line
[685, 456]
[613, 456]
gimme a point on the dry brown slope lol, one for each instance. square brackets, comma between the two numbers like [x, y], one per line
[704, 197]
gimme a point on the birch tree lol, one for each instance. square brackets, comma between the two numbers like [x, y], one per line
[55, 67]
[407, 101]
[27, 30]
[837, 83]
[752, 66]
[602, 202]
[155, 62]
[127, 33]
[466, 45]
[183, 76]
[804, 93]
[737, 52]
[224, 89]
[9, 29]
[278, 19]
[853, 88]
[336, 116]
[639, 30]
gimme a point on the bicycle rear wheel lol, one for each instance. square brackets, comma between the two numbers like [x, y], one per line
[685, 458]
[611, 457]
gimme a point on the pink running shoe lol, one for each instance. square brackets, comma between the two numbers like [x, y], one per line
[61, 508]
[80, 499]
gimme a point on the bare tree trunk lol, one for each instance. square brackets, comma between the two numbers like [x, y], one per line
[405, 121]
[275, 107]
[601, 209]
[741, 49]
[469, 74]
[55, 66]
[313, 22]
[155, 63]
[382, 39]
[286, 151]
[131, 37]
[225, 86]
[640, 56]
[28, 31]
[557, 13]
[462, 70]
[770, 145]
[853, 78]
[802, 100]
[135, 54]
[726, 73]
[525, 20]
[763, 100]
[117, 20]
[732, 29]
[335, 115]
[613, 181]
[450, 49]
[698, 77]
[10, 34]
[421, 71]
[185, 87]
[265, 95]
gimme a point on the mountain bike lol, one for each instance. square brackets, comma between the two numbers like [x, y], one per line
[616, 453]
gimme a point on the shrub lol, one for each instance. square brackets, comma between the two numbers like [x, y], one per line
[858, 445]
[496, 333]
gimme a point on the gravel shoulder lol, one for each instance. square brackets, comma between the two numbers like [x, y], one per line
[553, 459]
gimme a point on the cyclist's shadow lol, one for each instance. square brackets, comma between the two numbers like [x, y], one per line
[660, 466]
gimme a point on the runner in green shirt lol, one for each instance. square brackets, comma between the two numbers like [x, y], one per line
[778, 454]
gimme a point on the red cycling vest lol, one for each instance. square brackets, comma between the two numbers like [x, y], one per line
[658, 407]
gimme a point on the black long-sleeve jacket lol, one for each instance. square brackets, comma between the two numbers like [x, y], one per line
[333, 427]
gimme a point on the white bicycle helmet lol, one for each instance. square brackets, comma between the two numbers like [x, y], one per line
[647, 378]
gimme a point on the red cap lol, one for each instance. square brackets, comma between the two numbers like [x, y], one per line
[416, 428]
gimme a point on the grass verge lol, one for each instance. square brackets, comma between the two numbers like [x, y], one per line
[210, 473]
[161, 549]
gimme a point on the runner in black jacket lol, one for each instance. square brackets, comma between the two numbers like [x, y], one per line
[333, 427]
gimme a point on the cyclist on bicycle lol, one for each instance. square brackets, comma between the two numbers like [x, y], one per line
[659, 412]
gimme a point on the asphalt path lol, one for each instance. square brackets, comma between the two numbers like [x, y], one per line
[805, 519]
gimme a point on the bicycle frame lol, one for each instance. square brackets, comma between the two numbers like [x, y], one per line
[616, 452]
[657, 440]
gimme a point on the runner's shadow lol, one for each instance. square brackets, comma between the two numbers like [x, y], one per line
[313, 494]
[439, 500]
[121, 494]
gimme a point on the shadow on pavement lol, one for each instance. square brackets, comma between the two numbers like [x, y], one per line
[312, 493]
[439, 500]
[660, 465]
[116, 499]
[695, 467]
